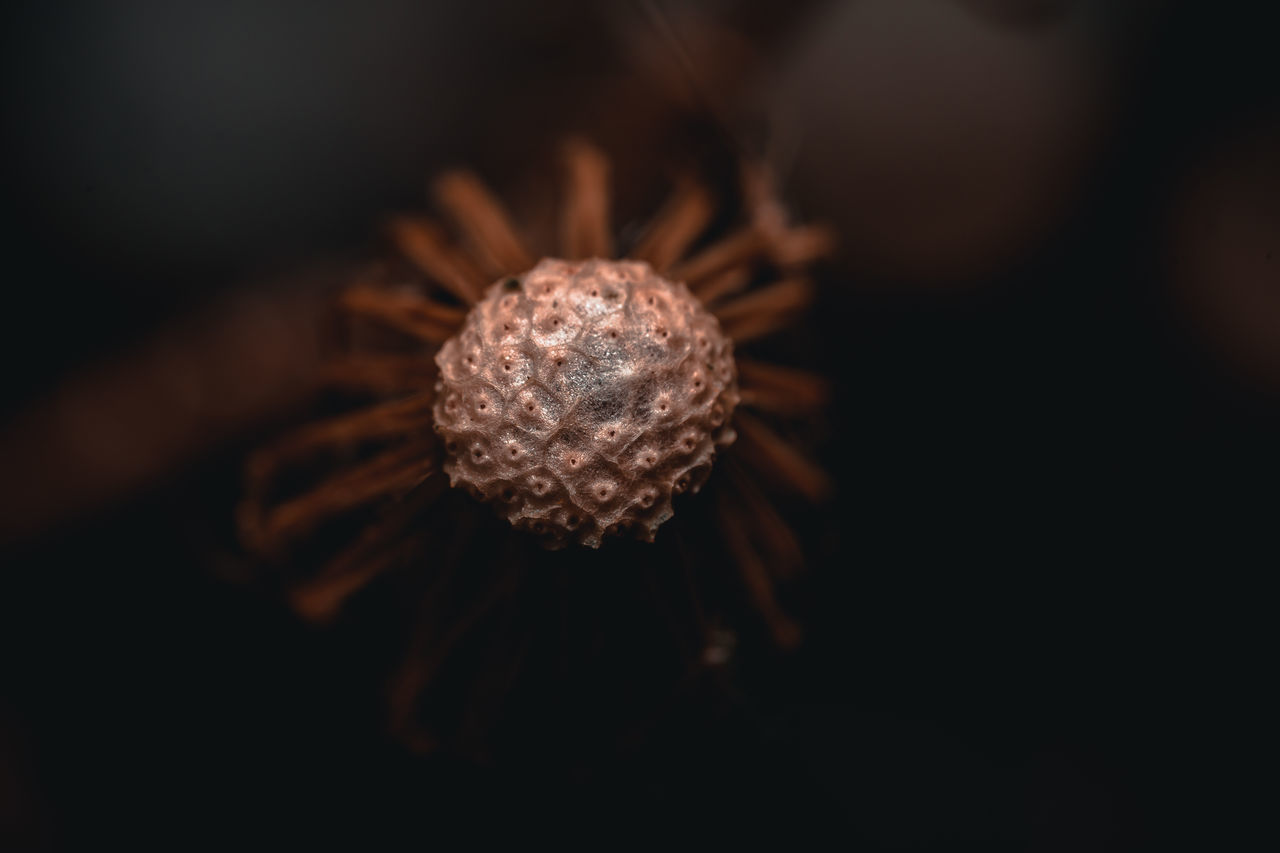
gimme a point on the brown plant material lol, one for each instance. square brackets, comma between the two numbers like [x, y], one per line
[485, 226]
[755, 576]
[582, 397]
[777, 460]
[775, 539]
[735, 252]
[584, 226]
[426, 246]
[676, 226]
[713, 289]
[605, 344]
[127, 423]
[392, 472]
[427, 321]
[379, 374]
[765, 311]
[781, 390]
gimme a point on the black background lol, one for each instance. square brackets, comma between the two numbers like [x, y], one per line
[1035, 619]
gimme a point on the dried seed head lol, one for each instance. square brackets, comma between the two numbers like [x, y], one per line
[580, 397]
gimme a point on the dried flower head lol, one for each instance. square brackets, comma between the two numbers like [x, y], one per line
[578, 395]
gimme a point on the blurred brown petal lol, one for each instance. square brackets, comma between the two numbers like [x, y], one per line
[118, 427]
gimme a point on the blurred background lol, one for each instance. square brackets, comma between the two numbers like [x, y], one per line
[1035, 617]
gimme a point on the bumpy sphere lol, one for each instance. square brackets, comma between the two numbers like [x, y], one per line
[580, 397]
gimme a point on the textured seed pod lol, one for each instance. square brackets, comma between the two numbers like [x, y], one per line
[580, 397]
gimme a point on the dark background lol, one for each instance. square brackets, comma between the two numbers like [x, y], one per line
[1035, 618]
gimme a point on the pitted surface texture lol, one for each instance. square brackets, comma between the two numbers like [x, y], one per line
[582, 396]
